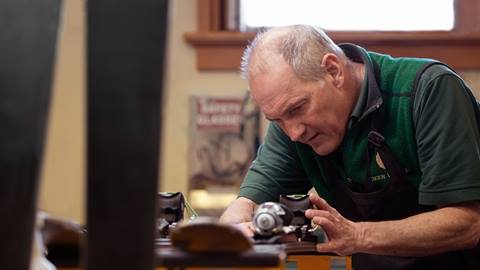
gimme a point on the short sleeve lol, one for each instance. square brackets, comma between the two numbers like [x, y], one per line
[276, 170]
[448, 141]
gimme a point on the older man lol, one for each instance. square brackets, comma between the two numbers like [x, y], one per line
[391, 145]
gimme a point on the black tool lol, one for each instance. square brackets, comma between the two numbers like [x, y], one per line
[298, 204]
[170, 210]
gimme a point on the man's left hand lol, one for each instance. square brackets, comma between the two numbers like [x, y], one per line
[343, 235]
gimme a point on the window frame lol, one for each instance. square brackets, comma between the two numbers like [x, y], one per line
[219, 49]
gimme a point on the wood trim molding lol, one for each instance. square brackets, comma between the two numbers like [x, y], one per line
[466, 14]
[217, 49]
[209, 15]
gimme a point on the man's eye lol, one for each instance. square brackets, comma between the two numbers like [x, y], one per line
[294, 110]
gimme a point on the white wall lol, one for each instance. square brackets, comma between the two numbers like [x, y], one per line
[62, 179]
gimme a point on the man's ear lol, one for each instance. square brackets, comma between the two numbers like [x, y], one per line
[334, 69]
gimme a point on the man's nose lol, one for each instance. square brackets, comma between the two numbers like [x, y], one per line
[294, 130]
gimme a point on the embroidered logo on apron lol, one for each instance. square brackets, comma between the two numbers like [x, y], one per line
[379, 161]
[380, 175]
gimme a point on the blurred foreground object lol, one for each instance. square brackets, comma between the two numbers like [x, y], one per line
[64, 240]
[125, 59]
[28, 38]
[208, 235]
[39, 261]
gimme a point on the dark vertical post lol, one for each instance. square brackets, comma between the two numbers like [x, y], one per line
[28, 36]
[126, 43]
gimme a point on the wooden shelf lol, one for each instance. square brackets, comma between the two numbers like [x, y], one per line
[222, 50]
[460, 48]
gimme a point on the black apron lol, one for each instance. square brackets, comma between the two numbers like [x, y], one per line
[396, 200]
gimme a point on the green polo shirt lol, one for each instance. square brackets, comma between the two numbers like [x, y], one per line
[447, 142]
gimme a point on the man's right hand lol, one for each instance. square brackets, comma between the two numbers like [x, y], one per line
[246, 228]
[239, 211]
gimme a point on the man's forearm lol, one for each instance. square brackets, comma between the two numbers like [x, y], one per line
[239, 211]
[449, 228]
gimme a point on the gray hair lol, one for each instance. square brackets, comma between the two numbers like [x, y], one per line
[301, 46]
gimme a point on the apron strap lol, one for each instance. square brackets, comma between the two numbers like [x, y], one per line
[391, 163]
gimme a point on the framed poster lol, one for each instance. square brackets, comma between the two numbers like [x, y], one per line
[224, 136]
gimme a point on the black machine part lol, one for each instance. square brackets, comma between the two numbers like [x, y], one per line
[283, 221]
[170, 206]
[297, 204]
[170, 210]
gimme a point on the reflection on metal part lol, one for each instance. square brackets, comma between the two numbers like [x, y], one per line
[269, 218]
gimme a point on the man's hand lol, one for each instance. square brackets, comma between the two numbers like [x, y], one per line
[451, 227]
[239, 211]
[342, 234]
[246, 228]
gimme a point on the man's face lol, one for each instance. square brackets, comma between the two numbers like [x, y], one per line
[310, 112]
